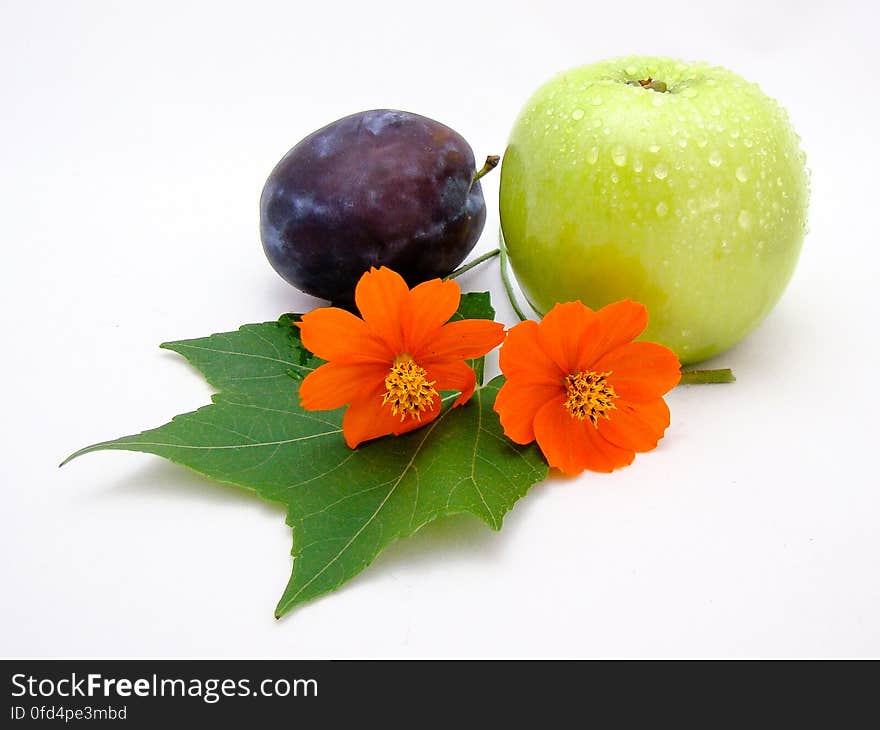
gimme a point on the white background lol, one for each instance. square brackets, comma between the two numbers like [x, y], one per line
[134, 142]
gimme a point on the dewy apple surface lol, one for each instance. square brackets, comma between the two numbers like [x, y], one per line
[681, 186]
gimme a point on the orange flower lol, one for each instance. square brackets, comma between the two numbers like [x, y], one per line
[390, 366]
[579, 385]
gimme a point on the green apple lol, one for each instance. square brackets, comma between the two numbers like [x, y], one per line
[681, 186]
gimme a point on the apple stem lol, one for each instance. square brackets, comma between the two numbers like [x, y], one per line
[650, 83]
[706, 377]
[491, 163]
[505, 278]
[476, 262]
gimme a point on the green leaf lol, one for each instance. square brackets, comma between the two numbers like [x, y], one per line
[344, 505]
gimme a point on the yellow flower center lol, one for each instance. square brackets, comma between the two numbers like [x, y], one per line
[407, 389]
[590, 395]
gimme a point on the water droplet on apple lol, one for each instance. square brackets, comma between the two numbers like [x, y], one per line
[744, 219]
[596, 100]
[577, 114]
[717, 217]
[655, 148]
[660, 171]
[715, 159]
[638, 166]
[742, 174]
[682, 142]
[662, 208]
[618, 156]
[593, 155]
[615, 178]
[779, 181]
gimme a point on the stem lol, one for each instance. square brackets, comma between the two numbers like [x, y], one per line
[505, 278]
[650, 83]
[476, 262]
[491, 163]
[705, 377]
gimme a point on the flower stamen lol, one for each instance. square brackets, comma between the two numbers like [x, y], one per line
[408, 390]
[590, 395]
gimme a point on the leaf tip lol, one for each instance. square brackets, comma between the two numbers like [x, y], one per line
[86, 450]
[290, 319]
[70, 458]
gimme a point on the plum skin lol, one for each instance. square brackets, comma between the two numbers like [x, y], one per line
[377, 188]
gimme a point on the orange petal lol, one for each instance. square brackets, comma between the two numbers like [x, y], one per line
[368, 418]
[605, 456]
[641, 371]
[566, 332]
[334, 384]
[453, 375]
[572, 445]
[517, 404]
[521, 357]
[431, 304]
[381, 295]
[637, 426]
[334, 334]
[621, 322]
[462, 340]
